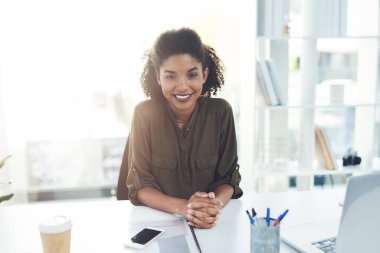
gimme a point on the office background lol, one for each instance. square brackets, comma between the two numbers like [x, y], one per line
[69, 79]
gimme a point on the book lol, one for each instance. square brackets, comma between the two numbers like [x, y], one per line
[266, 82]
[323, 150]
[274, 76]
[262, 97]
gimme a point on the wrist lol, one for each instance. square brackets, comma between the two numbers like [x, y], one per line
[181, 208]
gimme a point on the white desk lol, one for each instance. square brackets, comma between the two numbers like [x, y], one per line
[99, 226]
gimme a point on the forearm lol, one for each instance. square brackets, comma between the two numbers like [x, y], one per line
[157, 200]
[224, 193]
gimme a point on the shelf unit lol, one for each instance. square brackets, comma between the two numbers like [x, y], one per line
[313, 172]
[285, 134]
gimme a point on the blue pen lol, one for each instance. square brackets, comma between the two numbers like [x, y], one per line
[279, 219]
[254, 215]
[283, 215]
[250, 217]
[268, 216]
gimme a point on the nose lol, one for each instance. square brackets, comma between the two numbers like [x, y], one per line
[182, 83]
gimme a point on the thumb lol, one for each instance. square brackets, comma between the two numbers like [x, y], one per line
[201, 194]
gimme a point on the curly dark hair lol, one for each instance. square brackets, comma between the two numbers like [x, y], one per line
[181, 41]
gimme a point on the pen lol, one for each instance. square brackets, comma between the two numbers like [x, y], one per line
[254, 215]
[268, 216]
[279, 219]
[250, 217]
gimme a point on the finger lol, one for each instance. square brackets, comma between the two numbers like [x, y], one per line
[214, 201]
[198, 195]
[201, 194]
[201, 214]
[211, 195]
[210, 211]
[220, 203]
[197, 199]
[196, 213]
[204, 217]
[210, 219]
[198, 205]
[193, 224]
[198, 222]
[203, 222]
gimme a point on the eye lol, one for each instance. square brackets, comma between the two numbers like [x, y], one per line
[193, 75]
[169, 77]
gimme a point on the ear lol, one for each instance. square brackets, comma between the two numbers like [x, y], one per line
[205, 75]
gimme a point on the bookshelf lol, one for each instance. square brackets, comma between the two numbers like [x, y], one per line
[327, 69]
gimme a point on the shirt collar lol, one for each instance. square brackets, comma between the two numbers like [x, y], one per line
[192, 118]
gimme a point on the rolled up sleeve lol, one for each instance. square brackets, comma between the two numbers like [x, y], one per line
[140, 169]
[227, 171]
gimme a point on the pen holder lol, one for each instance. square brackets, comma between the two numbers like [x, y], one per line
[265, 239]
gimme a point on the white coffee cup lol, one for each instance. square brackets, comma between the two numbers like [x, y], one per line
[55, 234]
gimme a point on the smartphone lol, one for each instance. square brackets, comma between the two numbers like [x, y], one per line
[144, 238]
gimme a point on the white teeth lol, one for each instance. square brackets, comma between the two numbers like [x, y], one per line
[182, 96]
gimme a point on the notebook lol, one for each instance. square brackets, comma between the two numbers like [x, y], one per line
[359, 226]
[178, 236]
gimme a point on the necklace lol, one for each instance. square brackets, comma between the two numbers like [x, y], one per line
[180, 123]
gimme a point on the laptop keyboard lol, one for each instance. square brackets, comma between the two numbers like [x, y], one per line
[327, 245]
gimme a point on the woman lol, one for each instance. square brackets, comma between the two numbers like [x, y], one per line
[183, 154]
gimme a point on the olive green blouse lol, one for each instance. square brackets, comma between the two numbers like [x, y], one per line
[179, 162]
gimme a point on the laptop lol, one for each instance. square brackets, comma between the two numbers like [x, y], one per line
[359, 226]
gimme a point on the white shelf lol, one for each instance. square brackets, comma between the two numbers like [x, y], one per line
[316, 106]
[307, 172]
[315, 37]
[89, 186]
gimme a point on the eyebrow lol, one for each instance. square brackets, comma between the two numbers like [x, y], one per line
[173, 72]
[192, 69]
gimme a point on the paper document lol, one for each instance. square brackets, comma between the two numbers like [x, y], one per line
[177, 236]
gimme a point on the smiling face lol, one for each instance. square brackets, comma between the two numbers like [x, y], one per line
[181, 79]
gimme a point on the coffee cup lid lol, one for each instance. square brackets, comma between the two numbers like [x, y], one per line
[55, 224]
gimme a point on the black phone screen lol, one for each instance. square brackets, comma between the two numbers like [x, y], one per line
[145, 236]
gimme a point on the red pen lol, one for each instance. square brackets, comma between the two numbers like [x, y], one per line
[278, 220]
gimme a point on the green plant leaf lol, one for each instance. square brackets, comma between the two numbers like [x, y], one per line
[2, 162]
[6, 197]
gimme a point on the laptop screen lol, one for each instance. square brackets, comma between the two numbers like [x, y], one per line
[359, 229]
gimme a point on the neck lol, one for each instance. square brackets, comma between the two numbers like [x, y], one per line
[182, 116]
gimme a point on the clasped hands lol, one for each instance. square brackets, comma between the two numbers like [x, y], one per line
[203, 210]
